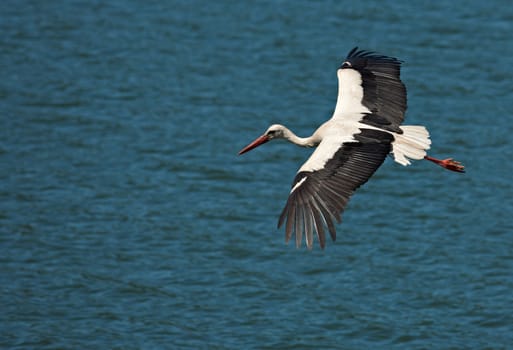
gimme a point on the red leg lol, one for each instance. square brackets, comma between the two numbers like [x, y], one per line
[448, 164]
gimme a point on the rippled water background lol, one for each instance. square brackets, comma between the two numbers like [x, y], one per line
[127, 221]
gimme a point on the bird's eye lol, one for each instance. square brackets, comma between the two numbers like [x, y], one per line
[271, 132]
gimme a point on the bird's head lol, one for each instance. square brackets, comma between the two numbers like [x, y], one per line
[275, 131]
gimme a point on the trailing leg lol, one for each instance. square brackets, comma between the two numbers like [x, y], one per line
[448, 164]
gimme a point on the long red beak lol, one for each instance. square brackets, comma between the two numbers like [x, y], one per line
[259, 141]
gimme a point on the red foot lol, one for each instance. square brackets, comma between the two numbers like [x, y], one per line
[448, 164]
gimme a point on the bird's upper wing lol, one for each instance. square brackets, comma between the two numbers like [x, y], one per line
[370, 84]
[323, 186]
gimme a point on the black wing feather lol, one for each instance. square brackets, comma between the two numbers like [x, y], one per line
[324, 194]
[384, 94]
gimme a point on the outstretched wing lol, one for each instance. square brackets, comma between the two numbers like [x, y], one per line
[320, 194]
[370, 84]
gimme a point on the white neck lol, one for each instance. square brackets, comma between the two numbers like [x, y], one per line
[300, 141]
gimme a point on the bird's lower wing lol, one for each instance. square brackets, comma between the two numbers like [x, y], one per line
[320, 195]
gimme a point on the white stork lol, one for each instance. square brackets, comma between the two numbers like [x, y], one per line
[364, 129]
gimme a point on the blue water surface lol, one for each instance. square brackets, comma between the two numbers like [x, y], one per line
[127, 220]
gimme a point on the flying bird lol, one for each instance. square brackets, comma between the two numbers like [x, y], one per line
[351, 146]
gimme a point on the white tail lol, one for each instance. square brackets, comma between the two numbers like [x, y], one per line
[412, 143]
